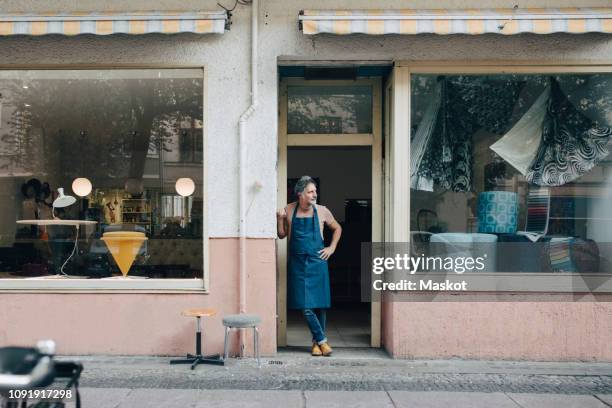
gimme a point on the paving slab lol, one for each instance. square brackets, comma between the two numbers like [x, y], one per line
[607, 398]
[250, 399]
[344, 399]
[171, 398]
[155, 397]
[436, 399]
[557, 401]
[102, 397]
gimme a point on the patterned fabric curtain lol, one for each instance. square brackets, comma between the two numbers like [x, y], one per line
[519, 146]
[448, 158]
[571, 145]
[468, 104]
[421, 141]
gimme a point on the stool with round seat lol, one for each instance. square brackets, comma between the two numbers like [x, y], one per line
[198, 358]
[242, 321]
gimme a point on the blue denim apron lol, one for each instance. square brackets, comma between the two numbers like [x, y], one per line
[308, 277]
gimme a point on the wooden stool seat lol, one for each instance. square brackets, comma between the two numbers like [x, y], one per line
[199, 312]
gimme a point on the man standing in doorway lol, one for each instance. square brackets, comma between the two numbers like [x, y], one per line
[308, 277]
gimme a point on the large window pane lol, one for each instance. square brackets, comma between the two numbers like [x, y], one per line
[329, 109]
[132, 134]
[518, 161]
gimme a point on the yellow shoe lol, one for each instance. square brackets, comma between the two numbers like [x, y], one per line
[316, 351]
[326, 350]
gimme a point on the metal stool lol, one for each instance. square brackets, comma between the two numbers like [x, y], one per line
[198, 358]
[241, 321]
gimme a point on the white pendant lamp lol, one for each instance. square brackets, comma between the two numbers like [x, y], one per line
[185, 186]
[81, 186]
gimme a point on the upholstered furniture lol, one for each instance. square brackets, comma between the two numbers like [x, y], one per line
[176, 257]
[242, 321]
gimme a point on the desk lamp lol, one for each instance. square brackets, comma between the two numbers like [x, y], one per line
[62, 201]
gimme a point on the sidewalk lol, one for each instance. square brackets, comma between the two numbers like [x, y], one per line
[146, 398]
[352, 377]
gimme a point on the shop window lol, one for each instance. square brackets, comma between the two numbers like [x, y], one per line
[329, 109]
[520, 164]
[115, 141]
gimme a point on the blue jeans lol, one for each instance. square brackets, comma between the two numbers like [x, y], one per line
[316, 320]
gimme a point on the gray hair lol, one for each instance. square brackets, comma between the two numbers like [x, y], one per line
[302, 183]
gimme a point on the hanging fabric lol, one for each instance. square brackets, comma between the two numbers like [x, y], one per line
[468, 103]
[591, 95]
[554, 142]
[421, 139]
[448, 157]
[571, 146]
[490, 102]
[519, 146]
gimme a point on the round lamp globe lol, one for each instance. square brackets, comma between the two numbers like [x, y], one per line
[185, 186]
[81, 186]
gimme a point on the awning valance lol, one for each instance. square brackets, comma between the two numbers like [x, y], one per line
[469, 21]
[114, 23]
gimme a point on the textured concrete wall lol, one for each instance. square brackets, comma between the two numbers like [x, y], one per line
[227, 60]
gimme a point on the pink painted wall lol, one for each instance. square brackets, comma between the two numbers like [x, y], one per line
[387, 340]
[544, 331]
[149, 324]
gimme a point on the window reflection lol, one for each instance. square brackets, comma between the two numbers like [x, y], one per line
[132, 134]
[329, 109]
[520, 162]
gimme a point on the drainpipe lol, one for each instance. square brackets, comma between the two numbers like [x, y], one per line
[242, 126]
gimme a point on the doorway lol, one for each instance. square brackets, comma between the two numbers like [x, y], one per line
[344, 186]
[331, 131]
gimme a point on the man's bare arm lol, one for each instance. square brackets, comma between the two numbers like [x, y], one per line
[281, 223]
[326, 252]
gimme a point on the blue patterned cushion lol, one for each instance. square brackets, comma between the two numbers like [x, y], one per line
[497, 212]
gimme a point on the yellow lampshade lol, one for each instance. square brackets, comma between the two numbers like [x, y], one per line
[124, 246]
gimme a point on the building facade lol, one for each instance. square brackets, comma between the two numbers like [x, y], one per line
[241, 104]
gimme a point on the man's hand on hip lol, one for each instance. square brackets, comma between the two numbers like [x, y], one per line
[326, 252]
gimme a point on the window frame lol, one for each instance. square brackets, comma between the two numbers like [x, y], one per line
[399, 205]
[137, 285]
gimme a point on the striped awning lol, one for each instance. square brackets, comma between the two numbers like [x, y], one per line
[469, 21]
[114, 23]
